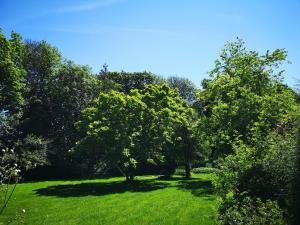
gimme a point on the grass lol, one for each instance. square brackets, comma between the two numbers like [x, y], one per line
[149, 200]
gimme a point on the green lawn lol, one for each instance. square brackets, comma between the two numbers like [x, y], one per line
[148, 200]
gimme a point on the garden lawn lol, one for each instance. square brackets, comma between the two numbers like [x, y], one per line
[148, 200]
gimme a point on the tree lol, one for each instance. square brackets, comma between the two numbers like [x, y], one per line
[173, 119]
[41, 61]
[244, 98]
[185, 145]
[28, 150]
[112, 128]
[126, 81]
[125, 130]
[71, 89]
[253, 115]
[11, 72]
[57, 91]
[187, 90]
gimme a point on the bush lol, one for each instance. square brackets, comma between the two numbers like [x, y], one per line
[31, 152]
[9, 176]
[179, 172]
[204, 170]
[295, 192]
[263, 171]
[242, 210]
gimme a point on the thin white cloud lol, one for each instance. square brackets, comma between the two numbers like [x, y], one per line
[86, 7]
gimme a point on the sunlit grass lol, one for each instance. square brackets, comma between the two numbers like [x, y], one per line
[148, 200]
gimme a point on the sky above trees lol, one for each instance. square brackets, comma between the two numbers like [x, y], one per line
[168, 37]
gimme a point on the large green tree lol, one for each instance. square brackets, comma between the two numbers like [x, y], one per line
[57, 90]
[112, 131]
[41, 61]
[28, 150]
[244, 98]
[249, 120]
[170, 127]
[11, 72]
[125, 130]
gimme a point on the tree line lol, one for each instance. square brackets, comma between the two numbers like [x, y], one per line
[58, 119]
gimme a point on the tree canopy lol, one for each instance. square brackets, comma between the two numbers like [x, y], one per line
[244, 98]
[127, 129]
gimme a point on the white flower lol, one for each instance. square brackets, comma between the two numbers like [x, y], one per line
[23, 210]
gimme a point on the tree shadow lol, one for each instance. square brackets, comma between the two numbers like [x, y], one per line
[168, 178]
[197, 187]
[99, 189]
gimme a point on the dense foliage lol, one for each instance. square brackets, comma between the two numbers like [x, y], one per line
[124, 130]
[11, 72]
[244, 98]
[58, 119]
[252, 118]
[244, 210]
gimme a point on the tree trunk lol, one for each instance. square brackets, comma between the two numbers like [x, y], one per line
[129, 177]
[187, 167]
[187, 154]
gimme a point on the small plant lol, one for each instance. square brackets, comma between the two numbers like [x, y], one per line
[9, 174]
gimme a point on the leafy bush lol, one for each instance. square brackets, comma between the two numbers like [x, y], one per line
[242, 210]
[179, 172]
[204, 170]
[9, 174]
[31, 152]
[295, 192]
[263, 171]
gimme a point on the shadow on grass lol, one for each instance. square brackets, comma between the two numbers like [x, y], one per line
[198, 187]
[98, 189]
[168, 178]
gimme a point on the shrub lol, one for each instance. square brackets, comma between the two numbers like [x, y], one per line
[243, 210]
[204, 170]
[9, 177]
[295, 191]
[179, 172]
[263, 171]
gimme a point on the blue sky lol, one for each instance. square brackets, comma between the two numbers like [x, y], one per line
[166, 37]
